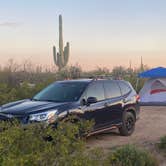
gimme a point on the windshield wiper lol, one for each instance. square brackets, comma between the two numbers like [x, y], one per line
[47, 100]
[50, 100]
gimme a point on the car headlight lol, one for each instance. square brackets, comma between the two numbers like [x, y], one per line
[49, 116]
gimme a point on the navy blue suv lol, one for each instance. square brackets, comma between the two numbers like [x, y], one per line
[110, 103]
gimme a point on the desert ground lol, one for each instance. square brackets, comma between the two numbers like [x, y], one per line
[149, 128]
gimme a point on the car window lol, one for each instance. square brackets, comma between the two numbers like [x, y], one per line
[124, 87]
[112, 89]
[96, 90]
[62, 92]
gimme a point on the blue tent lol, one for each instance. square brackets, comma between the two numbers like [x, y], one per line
[158, 72]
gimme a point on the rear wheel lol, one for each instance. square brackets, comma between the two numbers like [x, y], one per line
[128, 125]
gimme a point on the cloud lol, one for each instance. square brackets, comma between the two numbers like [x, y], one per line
[10, 24]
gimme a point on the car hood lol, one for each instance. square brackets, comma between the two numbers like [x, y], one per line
[28, 106]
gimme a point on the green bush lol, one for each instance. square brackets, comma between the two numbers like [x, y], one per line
[129, 155]
[162, 144]
[37, 144]
[22, 91]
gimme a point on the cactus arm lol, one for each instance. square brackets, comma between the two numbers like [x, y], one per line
[54, 54]
[66, 54]
[65, 57]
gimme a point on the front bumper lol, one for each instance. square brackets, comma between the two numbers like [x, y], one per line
[11, 118]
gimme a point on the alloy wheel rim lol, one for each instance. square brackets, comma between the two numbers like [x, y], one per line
[129, 124]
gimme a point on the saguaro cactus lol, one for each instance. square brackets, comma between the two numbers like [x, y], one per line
[61, 58]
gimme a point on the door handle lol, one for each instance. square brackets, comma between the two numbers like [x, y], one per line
[106, 104]
[125, 100]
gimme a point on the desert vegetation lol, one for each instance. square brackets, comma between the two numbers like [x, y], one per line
[162, 145]
[23, 81]
[37, 144]
[130, 155]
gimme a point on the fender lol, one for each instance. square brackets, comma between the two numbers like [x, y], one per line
[70, 112]
[130, 109]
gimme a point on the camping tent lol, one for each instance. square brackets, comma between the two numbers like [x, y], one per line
[154, 89]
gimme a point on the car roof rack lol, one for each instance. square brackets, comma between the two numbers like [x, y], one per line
[98, 77]
[106, 77]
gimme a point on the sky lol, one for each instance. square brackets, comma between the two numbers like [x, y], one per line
[102, 33]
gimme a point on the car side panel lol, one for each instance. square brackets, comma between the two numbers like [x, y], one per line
[114, 110]
[96, 112]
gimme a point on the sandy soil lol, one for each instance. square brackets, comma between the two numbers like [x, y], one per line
[149, 128]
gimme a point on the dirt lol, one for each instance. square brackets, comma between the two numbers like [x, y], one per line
[150, 127]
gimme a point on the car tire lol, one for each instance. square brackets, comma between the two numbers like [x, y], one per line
[128, 124]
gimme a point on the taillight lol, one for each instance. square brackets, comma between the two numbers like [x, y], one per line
[137, 97]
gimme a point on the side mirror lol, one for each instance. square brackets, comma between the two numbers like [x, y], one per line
[91, 100]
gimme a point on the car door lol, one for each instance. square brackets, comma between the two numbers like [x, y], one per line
[113, 102]
[96, 110]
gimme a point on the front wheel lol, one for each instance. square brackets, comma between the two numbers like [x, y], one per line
[128, 125]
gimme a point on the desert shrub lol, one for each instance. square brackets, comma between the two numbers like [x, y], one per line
[69, 72]
[7, 94]
[36, 144]
[162, 144]
[129, 155]
[22, 91]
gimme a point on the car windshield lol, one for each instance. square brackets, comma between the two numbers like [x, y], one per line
[62, 92]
